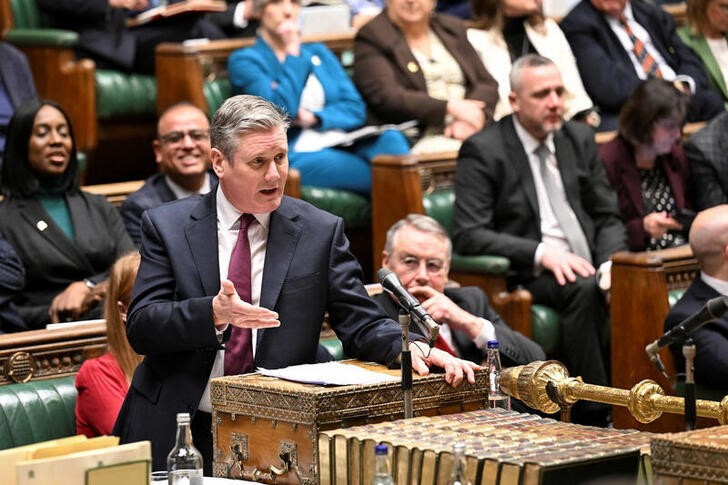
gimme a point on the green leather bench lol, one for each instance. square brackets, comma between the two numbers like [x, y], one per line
[438, 204]
[37, 411]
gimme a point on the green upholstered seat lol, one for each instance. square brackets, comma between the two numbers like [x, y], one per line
[334, 346]
[216, 92]
[37, 411]
[353, 208]
[118, 94]
[544, 320]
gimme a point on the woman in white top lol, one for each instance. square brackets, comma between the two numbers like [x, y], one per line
[504, 30]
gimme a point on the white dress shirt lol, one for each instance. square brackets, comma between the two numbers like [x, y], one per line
[228, 225]
[721, 286]
[180, 192]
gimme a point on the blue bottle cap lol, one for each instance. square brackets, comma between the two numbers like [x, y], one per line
[492, 344]
[381, 450]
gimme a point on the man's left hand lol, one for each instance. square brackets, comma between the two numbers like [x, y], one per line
[455, 369]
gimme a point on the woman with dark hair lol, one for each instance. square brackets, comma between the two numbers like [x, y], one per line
[504, 30]
[66, 238]
[706, 31]
[102, 382]
[647, 167]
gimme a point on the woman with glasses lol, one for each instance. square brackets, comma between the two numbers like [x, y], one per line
[66, 238]
[647, 167]
[706, 31]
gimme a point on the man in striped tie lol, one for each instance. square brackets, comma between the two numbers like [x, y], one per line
[618, 43]
[418, 251]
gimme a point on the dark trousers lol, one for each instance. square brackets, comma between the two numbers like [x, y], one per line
[202, 438]
[583, 318]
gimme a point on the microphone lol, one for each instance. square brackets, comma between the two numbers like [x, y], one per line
[409, 303]
[713, 310]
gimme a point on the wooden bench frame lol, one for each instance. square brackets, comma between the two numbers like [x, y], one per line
[639, 305]
[183, 68]
[46, 354]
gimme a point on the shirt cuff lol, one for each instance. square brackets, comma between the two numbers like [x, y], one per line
[239, 19]
[219, 333]
[486, 333]
[684, 78]
[537, 259]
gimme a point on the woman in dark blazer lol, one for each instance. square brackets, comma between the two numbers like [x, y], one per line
[66, 238]
[413, 64]
[647, 167]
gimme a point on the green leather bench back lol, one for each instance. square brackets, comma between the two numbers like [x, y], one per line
[26, 15]
[37, 411]
[544, 321]
[118, 95]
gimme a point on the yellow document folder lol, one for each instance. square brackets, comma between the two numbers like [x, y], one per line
[11, 456]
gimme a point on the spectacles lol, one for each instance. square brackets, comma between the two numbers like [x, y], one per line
[178, 136]
[412, 264]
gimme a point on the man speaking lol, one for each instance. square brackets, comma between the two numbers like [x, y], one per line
[241, 278]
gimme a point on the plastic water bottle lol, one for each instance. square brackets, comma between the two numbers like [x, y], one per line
[496, 397]
[382, 476]
[458, 473]
[184, 462]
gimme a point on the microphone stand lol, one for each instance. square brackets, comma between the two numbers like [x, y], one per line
[688, 350]
[404, 322]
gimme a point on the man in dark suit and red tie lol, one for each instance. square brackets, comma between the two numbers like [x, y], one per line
[290, 259]
[418, 250]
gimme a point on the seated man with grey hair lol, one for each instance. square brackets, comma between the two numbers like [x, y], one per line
[240, 278]
[418, 251]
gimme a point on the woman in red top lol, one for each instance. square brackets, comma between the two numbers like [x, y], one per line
[102, 382]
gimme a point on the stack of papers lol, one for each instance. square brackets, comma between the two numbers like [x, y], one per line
[328, 374]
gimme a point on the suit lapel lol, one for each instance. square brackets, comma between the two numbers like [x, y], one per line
[33, 212]
[283, 235]
[201, 234]
[516, 155]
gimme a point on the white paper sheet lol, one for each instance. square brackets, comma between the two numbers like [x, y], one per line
[328, 374]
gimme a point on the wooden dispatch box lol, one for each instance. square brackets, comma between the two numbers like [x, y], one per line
[266, 429]
[691, 457]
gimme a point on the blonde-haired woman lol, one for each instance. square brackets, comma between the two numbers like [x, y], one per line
[102, 382]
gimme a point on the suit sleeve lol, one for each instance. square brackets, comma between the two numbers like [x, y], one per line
[477, 183]
[347, 110]
[363, 327]
[608, 82]
[116, 232]
[706, 185]
[131, 214]
[12, 271]
[158, 324]
[251, 73]
[380, 83]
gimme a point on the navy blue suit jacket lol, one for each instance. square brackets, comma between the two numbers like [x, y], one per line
[711, 340]
[12, 279]
[607, 71]
[308, 270]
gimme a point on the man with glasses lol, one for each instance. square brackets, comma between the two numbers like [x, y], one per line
[418, 251]
[182, 151]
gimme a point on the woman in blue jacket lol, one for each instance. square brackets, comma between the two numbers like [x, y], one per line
[308, 81]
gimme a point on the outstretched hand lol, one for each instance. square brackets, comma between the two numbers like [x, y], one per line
[227, 307]
[455, 369]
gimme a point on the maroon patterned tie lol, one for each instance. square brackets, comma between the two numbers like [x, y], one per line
[239, 349]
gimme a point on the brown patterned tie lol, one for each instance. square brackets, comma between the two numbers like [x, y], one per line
[648, 63]
[239, 349]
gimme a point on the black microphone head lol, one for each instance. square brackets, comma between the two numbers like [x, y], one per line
[718, 306]
[382, 274]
